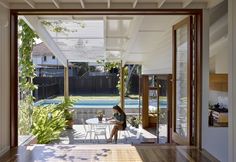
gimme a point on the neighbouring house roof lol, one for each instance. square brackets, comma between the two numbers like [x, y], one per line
[41, 50]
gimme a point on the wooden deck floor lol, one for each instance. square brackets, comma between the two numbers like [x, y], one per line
[106, 153]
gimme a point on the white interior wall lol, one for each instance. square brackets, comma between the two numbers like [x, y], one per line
[214, 139]
[219, 60]
[4, 80]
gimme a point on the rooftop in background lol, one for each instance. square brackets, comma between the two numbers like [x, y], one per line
[41, 50]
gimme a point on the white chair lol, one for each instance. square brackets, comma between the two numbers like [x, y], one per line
[126, 134]
[100, 130]
[88, 131]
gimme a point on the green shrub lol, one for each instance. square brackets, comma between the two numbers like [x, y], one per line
[24, 121]
[163, 118]
[48, 123]
[65, 107]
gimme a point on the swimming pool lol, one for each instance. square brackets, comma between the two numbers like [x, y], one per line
[129, 103]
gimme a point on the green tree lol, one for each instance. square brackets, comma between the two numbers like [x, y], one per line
[128, 71]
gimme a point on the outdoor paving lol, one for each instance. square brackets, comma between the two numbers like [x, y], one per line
[137, 136]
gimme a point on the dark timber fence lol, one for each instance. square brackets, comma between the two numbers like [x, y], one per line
[87, 85]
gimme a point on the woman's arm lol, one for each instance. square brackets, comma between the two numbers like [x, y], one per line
[110, 118]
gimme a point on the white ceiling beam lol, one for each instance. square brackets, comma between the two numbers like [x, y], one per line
[31, 3]
[186, 3]
[121, 5]
[132, 34]
[35, 24]
[114, 49]
[108, 3]
[78, 37]
[82, 3]
[105, 32]
[151, 31]
[133, 31]
[135, 3]
[119, 18]
[4, 4]
[213, 3]
[56, 3]
[117, 37]
[74, 17]
[160, 3]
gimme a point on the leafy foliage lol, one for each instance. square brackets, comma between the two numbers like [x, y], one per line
[65, 107]
[24, 116]
[57, 26]
[26, 74]
[108, 66]
[134, 121]
[48, 123]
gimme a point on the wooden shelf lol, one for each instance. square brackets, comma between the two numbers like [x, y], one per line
[218, 82]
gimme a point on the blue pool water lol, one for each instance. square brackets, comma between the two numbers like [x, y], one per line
[129, 103]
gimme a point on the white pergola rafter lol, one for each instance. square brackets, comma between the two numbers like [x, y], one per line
[5, 4]
[35, 24]
[135, 3]
[105, 31]
[186, 3]
[212, 3]
[160, 3]
[56, 3]
[108, 37]
[131, 34]
[108, 3]
[82, 3]
[31, 3]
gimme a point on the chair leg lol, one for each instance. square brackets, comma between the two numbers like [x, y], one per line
[127, 134]
[105, 136]
[119, 134]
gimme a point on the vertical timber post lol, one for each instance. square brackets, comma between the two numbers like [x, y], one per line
[122, 87]
[66, 81]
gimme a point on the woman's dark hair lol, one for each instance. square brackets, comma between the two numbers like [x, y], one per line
[118, 109]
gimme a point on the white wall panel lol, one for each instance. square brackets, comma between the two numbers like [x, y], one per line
[214, 139]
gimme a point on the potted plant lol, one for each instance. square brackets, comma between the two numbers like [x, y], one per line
[68, 112]
[134, 122]
[69, 118]
[100, 115]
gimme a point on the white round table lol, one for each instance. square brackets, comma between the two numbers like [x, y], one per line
[94, 121]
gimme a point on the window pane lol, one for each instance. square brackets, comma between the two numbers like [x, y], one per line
[181, 81]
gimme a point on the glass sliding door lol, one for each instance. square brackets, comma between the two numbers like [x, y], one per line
[164, 108]
[182, 77]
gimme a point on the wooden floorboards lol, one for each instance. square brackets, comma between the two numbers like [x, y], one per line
[106, 153]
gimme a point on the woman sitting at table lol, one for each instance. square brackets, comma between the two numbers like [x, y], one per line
[119, 121]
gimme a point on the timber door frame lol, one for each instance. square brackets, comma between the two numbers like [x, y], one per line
[176, 137]
[14, 13]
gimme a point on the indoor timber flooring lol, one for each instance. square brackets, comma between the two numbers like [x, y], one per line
[106, 153]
